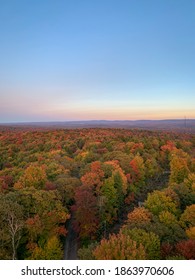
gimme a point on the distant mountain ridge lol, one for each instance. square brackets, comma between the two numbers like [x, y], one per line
[171, 124]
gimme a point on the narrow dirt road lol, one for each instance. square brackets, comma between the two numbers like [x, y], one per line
[70, 248]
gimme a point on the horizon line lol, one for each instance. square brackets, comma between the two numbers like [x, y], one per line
[98, 120]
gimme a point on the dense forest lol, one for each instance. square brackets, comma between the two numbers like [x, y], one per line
[103, 193]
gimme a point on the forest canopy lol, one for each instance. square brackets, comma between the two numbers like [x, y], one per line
[124, 193]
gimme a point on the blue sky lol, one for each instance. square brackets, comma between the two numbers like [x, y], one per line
[103, 59]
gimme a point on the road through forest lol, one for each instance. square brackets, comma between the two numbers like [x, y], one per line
[70, 248]
[71, 243]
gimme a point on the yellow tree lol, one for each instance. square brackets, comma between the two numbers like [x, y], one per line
[119, 247]
[190, 232]
[188, 216]
[158, 201]
[52, 250]
[178, 166]
[34, 176]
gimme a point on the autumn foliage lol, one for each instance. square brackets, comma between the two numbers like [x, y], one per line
[119, 247]
[126, 194]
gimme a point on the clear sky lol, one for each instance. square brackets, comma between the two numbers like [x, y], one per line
[96, 59]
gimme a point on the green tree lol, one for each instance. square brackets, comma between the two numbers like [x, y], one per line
[86, 253]
[149, 240]
[158, 201]
[52, 250]
[108, 201]
[167, 228]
